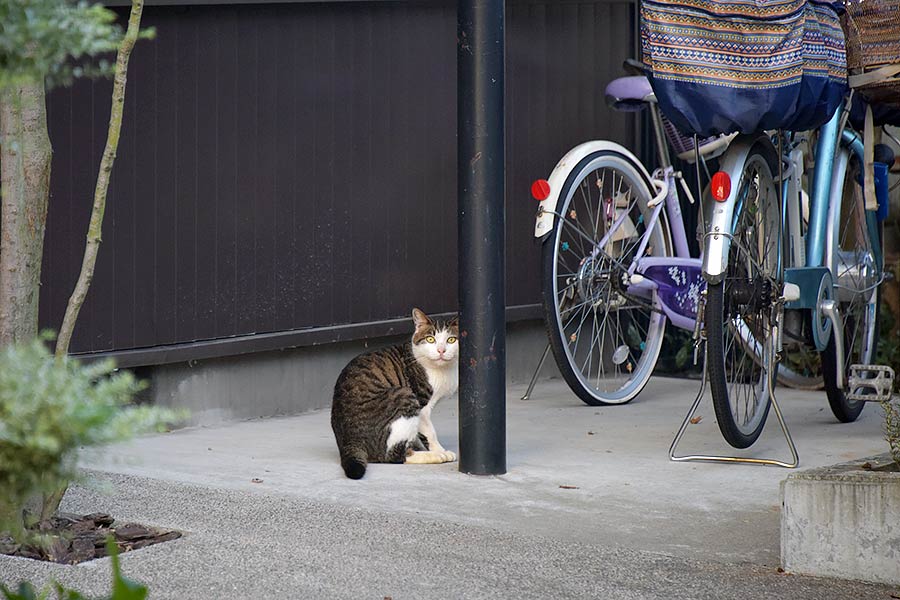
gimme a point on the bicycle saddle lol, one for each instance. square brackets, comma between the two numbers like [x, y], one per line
[629, 93]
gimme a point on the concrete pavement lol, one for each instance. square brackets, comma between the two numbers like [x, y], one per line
[629, 524]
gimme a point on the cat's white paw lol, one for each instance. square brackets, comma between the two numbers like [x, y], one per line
[430, 457]
[425, 457]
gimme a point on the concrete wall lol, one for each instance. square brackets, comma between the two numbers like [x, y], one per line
[299, 380]
[843, 521]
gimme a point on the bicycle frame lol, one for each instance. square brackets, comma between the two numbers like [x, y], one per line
[678, 279]
[717, 240]
[811, 271]
[821, 190]
[824, 191]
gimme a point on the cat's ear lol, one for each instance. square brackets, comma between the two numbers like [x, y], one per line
[420, 318]
[454, 322]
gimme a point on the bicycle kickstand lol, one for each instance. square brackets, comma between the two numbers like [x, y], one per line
[537, 371]
[732, 459]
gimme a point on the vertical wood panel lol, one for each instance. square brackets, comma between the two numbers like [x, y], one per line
[247, 171]
[144, 118]
[286, 184]
[56, 237]
[362, 184]
[444, 128]
[168, 154]
[344, 172]
[383, 186]
[265, 215]
[306, 170]
[322, 305]
[285, 166]
[226, 149]
[186, 142]
[84, 132]
[397, 204]
[206, 181]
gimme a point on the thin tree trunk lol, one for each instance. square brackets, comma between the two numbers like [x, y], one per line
[95, 230]
[51, 501]
[25, 155]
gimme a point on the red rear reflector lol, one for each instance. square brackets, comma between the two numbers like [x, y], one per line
[720, 186]
[540, 189]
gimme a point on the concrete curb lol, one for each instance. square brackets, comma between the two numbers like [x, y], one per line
[843, 521]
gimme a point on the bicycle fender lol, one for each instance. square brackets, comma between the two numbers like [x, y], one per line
[549, 206]
[720, 215]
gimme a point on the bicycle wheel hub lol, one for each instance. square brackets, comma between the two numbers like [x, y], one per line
[595, 284]
[752, 294]
[856, 273]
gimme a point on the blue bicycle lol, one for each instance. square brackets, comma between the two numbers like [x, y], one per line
[783, 268]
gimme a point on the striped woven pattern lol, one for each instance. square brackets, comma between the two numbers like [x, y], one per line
[873, 33]
[872, 28]
[719, 66]
[742, 43]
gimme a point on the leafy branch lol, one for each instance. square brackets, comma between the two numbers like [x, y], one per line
[49, 410]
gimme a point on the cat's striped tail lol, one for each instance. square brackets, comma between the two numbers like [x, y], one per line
[354, 461]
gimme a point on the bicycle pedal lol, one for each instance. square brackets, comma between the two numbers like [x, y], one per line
[870, 383]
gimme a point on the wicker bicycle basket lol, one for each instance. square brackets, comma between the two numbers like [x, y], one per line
[872, 31]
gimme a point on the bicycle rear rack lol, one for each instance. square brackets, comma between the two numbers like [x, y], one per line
[795, 460]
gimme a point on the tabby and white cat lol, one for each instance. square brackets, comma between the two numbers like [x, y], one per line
[383, 399]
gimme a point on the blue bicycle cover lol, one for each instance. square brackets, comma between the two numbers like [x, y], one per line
[720, 66]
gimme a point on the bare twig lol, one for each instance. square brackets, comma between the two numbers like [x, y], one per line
[51, 500]
[95, 229]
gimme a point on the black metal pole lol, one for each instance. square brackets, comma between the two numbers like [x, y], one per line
[482, 297]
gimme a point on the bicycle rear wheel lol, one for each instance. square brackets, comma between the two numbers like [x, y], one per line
[801, 369]
[739, 309]
[856, 274]
[605, 334]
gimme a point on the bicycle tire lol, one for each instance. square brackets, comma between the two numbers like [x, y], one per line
[790, 378]
[739, 336]
[852, 217]
[643, 350]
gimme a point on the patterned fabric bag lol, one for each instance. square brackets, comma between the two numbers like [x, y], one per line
[720, 66]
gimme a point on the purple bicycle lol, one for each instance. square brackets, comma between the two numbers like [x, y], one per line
[616, 261]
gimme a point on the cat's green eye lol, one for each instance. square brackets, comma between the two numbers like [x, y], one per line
[430, 339]
[451, 340]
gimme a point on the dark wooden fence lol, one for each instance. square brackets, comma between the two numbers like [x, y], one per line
[291, 167]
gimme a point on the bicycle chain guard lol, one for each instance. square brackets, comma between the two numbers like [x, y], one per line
[815, 287]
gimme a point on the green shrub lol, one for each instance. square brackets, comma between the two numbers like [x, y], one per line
[41, 37]
[49, 410]
[123, 588]
[889, 354]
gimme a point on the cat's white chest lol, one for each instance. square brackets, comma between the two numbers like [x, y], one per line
[444, 382]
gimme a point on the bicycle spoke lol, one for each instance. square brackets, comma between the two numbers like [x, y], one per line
[582, 235]
[590, 355]
[586, 200]
[603, 328]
